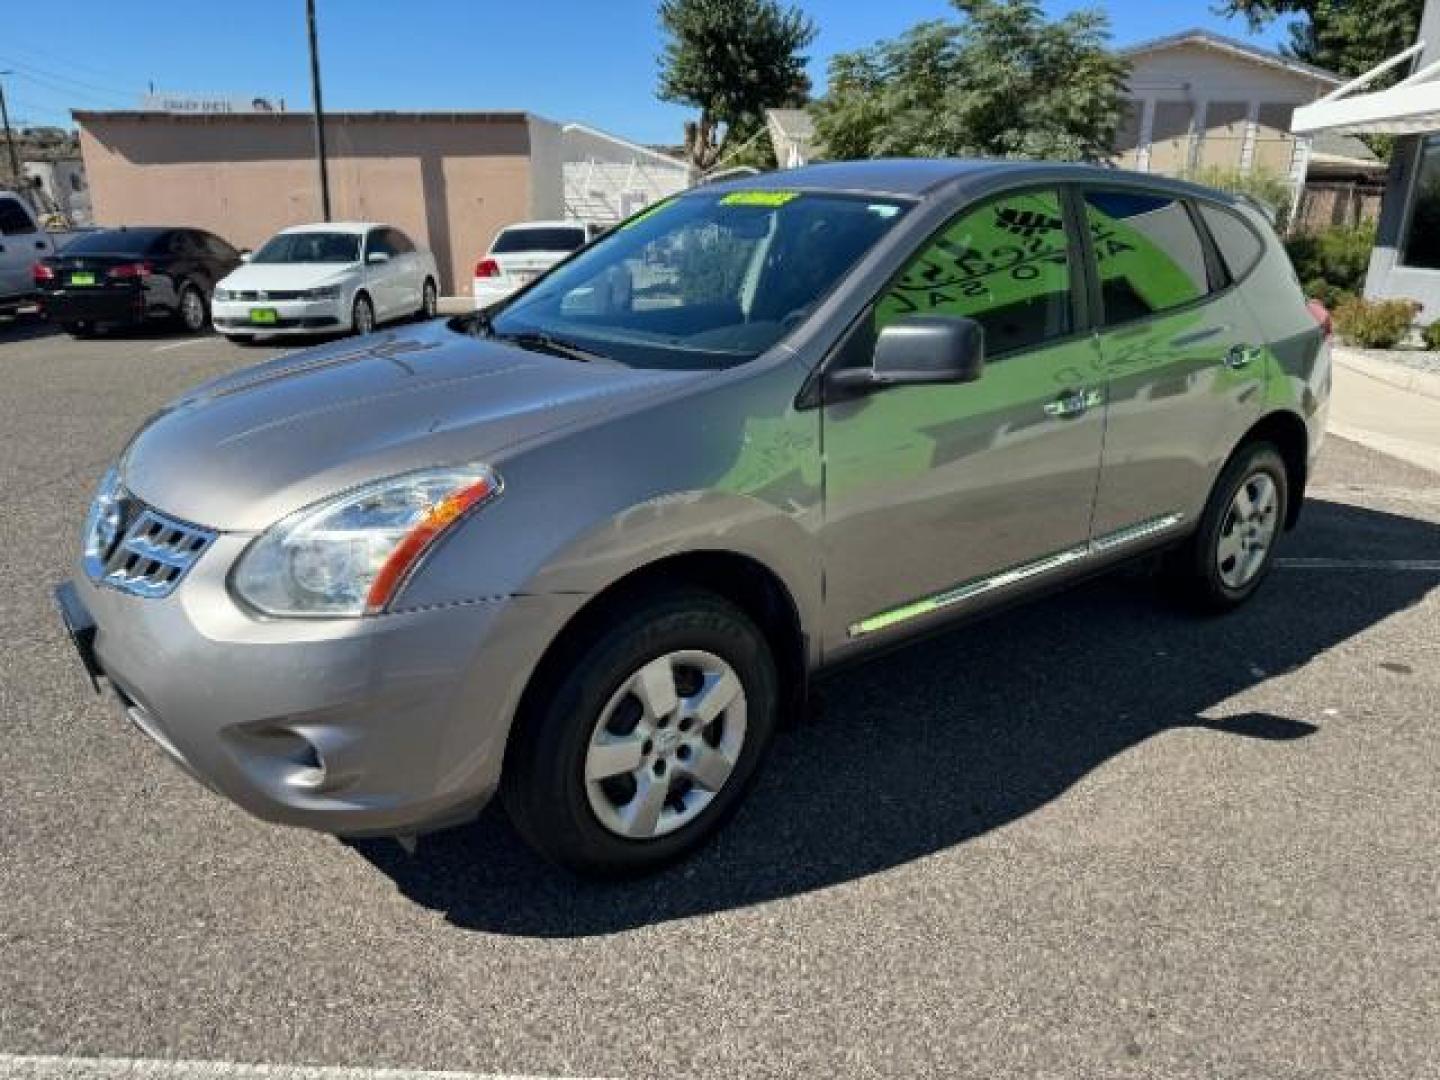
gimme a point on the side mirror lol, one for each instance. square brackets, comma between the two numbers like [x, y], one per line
[920, 350]
[375, 258]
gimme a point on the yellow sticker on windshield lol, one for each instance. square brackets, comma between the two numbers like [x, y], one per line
[758, 198]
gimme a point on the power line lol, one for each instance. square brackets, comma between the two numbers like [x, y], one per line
[70, 92]
[46, 76]
[104, 73]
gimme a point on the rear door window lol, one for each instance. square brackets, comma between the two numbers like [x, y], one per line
[1150, 255]
[1239, 246]
[14, 220]
[512, 241]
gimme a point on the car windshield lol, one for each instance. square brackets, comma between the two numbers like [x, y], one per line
[310, 247]
[701, 281]
[541, 239]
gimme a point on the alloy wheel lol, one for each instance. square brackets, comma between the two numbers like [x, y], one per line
[431, 301]
[192, 310]
[1248, 531]
[665, 744]
[364, 316]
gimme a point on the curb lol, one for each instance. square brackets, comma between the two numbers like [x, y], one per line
[1424, 383]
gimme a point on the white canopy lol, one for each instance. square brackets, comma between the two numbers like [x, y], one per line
[1410, 107]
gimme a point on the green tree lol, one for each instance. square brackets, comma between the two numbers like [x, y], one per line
[1003, 81]
[1341, 35]
[732, 60]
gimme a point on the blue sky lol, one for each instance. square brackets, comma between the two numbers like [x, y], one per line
[587, 60]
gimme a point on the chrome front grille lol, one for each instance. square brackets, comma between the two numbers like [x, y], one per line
[266, 294]
[141, 551]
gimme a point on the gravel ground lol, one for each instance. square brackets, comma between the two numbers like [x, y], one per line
[1419, 359]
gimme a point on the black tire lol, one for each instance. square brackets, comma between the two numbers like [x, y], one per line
[79, 329]
[543, 785]
[429, 300]
[362, 308]
[1194, 571]
[192, 312]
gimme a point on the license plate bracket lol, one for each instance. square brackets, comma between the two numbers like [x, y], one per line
[82, 277]
[80, 628]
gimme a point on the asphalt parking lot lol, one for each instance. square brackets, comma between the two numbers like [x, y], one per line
[1091, 837]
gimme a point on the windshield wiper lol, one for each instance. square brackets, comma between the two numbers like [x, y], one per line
[537, 341]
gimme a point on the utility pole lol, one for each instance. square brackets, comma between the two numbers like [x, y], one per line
[319, 112]
[9, 135]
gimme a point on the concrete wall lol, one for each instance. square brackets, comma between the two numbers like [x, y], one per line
[449, 180]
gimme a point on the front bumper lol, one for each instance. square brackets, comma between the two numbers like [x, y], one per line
[291, 316]
[384, 725]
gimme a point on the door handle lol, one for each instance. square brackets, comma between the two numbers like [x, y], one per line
[1073, 403]
[1241, 356]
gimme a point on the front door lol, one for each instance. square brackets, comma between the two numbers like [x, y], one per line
[939, 497]
[1184, 359]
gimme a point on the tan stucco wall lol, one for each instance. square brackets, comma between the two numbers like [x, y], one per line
[449, 183]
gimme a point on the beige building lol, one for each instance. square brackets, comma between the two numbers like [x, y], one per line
[1199, 100]
[449, 179]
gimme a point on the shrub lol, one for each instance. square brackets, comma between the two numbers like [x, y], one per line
[1329, 295]
[1375, 324]
[1338, 257]
[1431, 334]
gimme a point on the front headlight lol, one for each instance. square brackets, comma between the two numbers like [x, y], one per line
[221, 294]
[326, 292]
[103, 522]
[349, 555]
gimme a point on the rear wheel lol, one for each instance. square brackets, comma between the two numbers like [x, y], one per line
[1231, 552]
[654, 729]
[362, 315]
[192, 311]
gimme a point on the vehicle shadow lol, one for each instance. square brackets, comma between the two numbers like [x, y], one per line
[26, 326]
[948, 739]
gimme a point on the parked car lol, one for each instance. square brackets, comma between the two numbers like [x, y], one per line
[587, 549]
[132, 276]
[22, 241]
[325, 278]
[524, 251]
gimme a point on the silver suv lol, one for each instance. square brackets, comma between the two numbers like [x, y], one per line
[587, 548]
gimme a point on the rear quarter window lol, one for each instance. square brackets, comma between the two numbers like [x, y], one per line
[14, 221]
[1239, 246]
[1151, 258]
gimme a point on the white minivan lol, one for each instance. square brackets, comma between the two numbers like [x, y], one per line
[22, 244]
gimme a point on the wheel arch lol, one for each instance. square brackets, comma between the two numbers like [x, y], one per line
[1289, 435]
[743, 580]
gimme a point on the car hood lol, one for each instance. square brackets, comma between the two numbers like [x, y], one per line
[245, 450]
[266, 276]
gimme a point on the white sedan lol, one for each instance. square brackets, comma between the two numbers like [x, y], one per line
[326, 278]
[524, 251]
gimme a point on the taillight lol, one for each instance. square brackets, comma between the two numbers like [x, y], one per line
[41, 272]
[487, 268]
[131, 270]
[1321, 314]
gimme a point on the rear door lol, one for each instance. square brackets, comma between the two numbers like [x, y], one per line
[1183, 358]
[21, 244]
[381, 278]
[944, 497]
[409, 273]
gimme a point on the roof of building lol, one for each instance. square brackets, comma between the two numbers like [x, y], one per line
[1234, 46]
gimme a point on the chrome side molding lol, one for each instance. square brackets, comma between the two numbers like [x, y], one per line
[1100, 545]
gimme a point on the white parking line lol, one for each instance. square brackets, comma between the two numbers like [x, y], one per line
[16, 1067]
[180, 344]
[1427, 566]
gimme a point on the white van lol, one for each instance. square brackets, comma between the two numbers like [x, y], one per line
[22, 244]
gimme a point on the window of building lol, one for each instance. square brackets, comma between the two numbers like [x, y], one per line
[1422, 234]
[1005, 265]
[1150, 255]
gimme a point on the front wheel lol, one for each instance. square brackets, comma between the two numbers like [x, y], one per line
[429, 300]
[362, 316]
[1233, 548]
[192, 310]
[652, 733]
